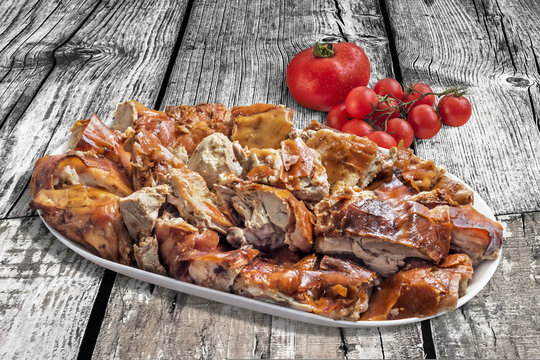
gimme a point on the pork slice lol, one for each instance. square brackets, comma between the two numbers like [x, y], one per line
[384, 233]
[475, 234]
[272, 217]
[195, 202]
[219, 270]
[146, 254]
[216, 155]
[140, 209]
[456, 190]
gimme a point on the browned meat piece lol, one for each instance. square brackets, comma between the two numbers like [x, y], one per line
[272, 217]
[57, 171]
[383, 233]
[216, 155]
[179, 243]
[475, 234]
[349, 160]
[134, 114]
[140, 209]
[421, 174]
[194, 123]
[219, 270]
[422, 291]
[433, 198]
[195, 202]
[264, 166]
[339, 289]
[261, 126]
[152, 162]
[89, 216]
[392, 187]
[94, 136]
[146, 254]
[457, 191]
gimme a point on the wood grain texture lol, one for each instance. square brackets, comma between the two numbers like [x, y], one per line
[30, 33]
[503, 320]
[236, 53]
[121, 53]
[464, 43]
[46, 292]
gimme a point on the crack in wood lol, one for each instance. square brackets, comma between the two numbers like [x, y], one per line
[344, 346]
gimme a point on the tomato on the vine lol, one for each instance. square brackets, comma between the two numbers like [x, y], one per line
[337, 116]
[385, 109]
[382, 139]
[419, 90]
[359, 101]
[357, 127]
[389, 86]
[424, 121]
[400, 129]
[455, 111]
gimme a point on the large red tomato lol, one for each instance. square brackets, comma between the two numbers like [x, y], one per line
[322, 76]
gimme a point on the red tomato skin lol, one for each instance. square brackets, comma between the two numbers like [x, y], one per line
[384, 112]
[424, 121]
[359, 101]
[337, 116]
[400, 129]
[389, 86]
[382, 139]
[357, 127]
[455, 111]
[320, 83]
[422, 88]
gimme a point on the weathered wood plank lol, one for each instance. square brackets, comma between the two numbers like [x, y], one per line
[236, 53]
[121, 53]
[463, 43]
[502, 321]
[46, 292]
[30, 32]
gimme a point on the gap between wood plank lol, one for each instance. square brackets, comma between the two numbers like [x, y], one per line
[93, 327]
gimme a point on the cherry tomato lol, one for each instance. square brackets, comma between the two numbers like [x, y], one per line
[337, 116]
[319, 78]
[424, 121]
[389, 86]
[455, 111]
[359, 100]
[357, 127]
[384, 110]
[382, 139]
[422, 89]
[400, 129]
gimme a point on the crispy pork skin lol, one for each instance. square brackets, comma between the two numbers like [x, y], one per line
[349, 160]
[151, 161]
[146, 254]
[457, 191]
[383, 233]
[89, 216]
[194, 123]
[219, 270]
[195, 202]
[272, 217]
[180, 242]
[475, 234]
[94, 136]
[339, 289]
[75, 168]
[215, 155]
[261, 126]
[140, 209]
[421, 291]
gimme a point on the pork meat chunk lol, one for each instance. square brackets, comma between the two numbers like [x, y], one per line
[146, 254]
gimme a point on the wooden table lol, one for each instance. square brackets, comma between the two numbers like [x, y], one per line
[61, 61]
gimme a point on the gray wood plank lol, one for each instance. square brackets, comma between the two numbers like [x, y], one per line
[236, 53]
[502, 321]
[46, 293]
[121, 53]
[480, 45]
[30, 32]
